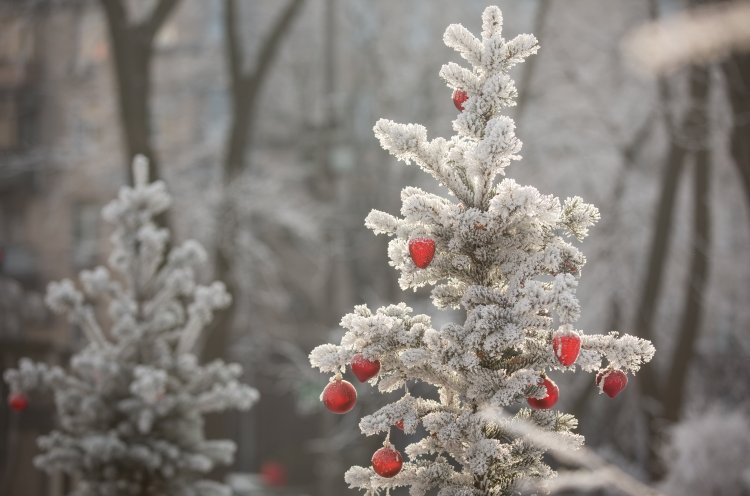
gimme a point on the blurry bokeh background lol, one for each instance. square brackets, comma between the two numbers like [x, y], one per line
[259, 114]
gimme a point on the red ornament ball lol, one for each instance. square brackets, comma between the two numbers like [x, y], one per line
[18, 401]
[611, 381]
[363, 368]
[273, 474]
[553, 393]
[339, 396]
[422, 250]
[567, 346]
[459, 97]
[387, 462]
[399, 425]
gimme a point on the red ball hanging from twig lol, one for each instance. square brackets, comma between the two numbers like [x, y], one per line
[339, 396]
[421, 251]
[363, 368]
[387, 462]
[553, 393]
[611, 381]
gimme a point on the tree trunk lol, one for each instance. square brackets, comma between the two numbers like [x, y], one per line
[690, 323]
[132, 46]
[736, 71]
[245, 91]
[658, 394]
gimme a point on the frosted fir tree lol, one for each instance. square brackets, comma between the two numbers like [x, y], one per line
[131, 403]
[501, 252]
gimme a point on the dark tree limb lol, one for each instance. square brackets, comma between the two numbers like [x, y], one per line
[245, 88]
[659, 244]
[658, 394]
[692, 313]
[161, 12]
[737, 81]
[132, 47]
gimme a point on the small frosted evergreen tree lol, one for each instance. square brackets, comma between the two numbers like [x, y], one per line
[500, 251]
[131, 403]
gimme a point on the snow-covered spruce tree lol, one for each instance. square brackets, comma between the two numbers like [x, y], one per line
[498, 250]
[131, 403]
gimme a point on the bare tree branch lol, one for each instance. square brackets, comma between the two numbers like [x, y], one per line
[737, 81]
[132, 46]
[245, 92]
[160, 14]
[246, 86]
[232, 47]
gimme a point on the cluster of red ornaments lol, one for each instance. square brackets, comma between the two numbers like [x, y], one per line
[567, 347]
[339, 396]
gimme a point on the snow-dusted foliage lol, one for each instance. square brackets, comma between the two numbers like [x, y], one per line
[130, 404]
[503, 253]
[708, 453]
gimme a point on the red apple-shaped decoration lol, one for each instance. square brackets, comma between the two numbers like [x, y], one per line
[18, 401]
[399, 425]
[553, 393]
[339, 396]
[459, 97]
[422, 250]
[387, 462]
[363, 368]
[611, 381]
[567, 346]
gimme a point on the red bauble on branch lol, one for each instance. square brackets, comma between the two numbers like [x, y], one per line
[553, 393]
[18, 401]
[422, 250]
[459, 97]
[567, 346]
[363, 368]
[399, 425]
[611, 381]
[387, 462]
[339, 396]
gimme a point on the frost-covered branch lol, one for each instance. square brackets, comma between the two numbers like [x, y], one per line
[594, 471]
[500, 251]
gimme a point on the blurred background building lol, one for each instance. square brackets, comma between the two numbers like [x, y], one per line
[258, 114]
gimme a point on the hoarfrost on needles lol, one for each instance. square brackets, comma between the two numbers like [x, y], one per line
[131, 403]
[502, 252]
